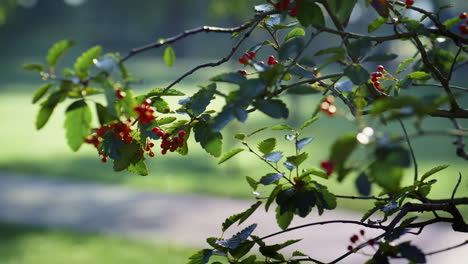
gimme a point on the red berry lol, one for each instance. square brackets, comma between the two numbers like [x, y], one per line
[327, 166]
[463, 15]
[272, 61]
[354, 238]
[379, 75]
[182, 133]
[261, 62]
[243, 72]
[164, 151]
[376, 83]
[151, 154]
[120, 94]
[350, 248]
[463, 29]
[285, 5]
[371, 242]
[147, 102]
[293, 12]
[155, 130]
[104, 159]
[374, 79]
[380, 68]
[160, 133]
[166, 136]
[362, 232]
[330, 99]
[331, 111]
[151, 144]
[250, 55]
[243, 60]
[409, 2]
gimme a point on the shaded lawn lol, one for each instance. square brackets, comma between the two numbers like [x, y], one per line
[27, 245]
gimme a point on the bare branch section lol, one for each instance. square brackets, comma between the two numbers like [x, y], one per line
[195, 31]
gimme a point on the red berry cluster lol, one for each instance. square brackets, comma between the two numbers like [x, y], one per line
[145, 112]
[149, 145]
[375, 76]
[122, 132]
[272, 61]
[247, 57]
[409, 3]
[464, 27]
[328, 106]
[120, 94]
[171, 144]
[286, 5]
[355, 238]
[327, 166]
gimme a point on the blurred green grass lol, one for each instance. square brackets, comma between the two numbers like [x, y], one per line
[45, 153]
[26, 245]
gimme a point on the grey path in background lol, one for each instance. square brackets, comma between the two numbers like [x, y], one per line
[184, 219]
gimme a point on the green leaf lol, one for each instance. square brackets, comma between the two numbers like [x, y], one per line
[229, 77]
[298, 159]
[251, 89]
[309, 13]
[357, 74]
[273, 107]
[298, 254]
[359, 48]
[43, 116]
[129, 154]
[290, 49]
[297, 32]
[420, 76]
[283, 220]
[434, 171]
[160, 104]
[138, 168]
[376, 24]
[201, 257]
[382, 57]
[128, 104]
[326, 198]
[166, 120]
[267, 146]
[272, 197]
[35, 67]
[57, 51]
[103, 115]
[41, 91]
[253, 183]
[200, 100]
[85, 61]
[342, 9]
[256, 131]
[282, 127]
[386, 175]
[363, 184]
[403, 65]
[169, 56]
[313, 171]
[210, 140]
[241, 217]
[449, 23]
[109, 92]
[240, 136]
[163, 92]
[77, 124]
[340, 152]
[271, 178]
[331, 50]
[308, 123]
[229, 155]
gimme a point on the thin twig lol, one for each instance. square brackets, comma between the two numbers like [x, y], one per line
[413, 156]
[361, 197]
[456, 186]
[438, 85]
[446, 249]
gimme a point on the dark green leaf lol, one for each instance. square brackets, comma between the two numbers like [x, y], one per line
[41, 91]
[201, 257]
[342, 9]
[242, 249]
[411, 252]
[309, 13]
[449, 23]
[313, 171]
[267, 146]
[273, 107]
[416, 27]
[387, 176]
[230, 77]
[85, 61]
[229, 155]
[210, 140]
[331, 50]
[251, 88]
[359, 48]
[297, 32]
[109, 92]
[298, 159]
[382, 57]
[238, 238]
[241, 217]
[240, 136]
[274, 157]
[272, 197]
[77, 123]
[129, 154]
[303, 89]
[257, 131]
[376, 24]
[169, 56]
[340, 152]
[57, 51]
[166, 120]
[103, 115]
[298, 254]
[290, 49]
[357, 74]
[253, 183]
[160, 104]
[128, 104]
[43, 116]
[363, 184]
[200, 100]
